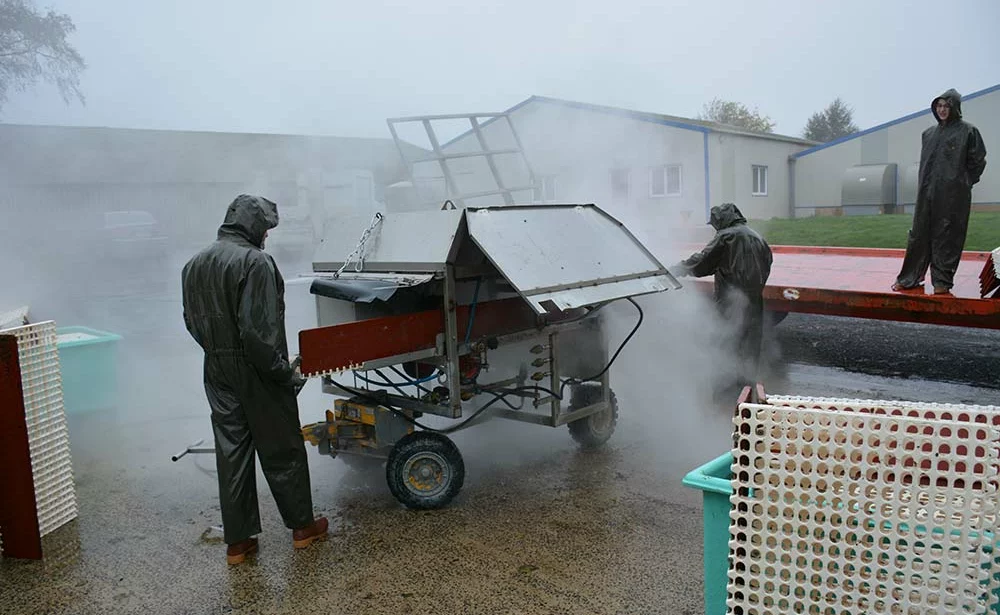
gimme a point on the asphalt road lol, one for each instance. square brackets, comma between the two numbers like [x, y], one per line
[892, 349]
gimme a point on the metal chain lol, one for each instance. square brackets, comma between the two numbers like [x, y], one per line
[358, 254]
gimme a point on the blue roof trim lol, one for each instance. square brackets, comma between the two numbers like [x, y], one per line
[905, 118]
[708, 181]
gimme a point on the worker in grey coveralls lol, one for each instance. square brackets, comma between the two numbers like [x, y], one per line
[952, 159]
[234, 308]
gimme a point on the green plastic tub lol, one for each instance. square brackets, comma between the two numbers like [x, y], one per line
[88, 360]
[713, 480]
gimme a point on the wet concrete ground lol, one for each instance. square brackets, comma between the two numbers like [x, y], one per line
[540, 527]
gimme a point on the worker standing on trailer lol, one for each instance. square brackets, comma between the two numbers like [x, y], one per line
[952, 159]
[234, 307]
[741, 260]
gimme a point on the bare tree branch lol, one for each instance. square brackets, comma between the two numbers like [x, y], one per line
[34, 47]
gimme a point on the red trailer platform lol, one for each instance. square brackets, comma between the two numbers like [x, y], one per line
[857, 282]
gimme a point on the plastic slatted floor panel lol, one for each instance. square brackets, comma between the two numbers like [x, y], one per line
[849, 513]
[927, 410]
[48, 436]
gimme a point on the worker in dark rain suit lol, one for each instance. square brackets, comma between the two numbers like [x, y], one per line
[741, 260]
[234, 308]
[952, 159]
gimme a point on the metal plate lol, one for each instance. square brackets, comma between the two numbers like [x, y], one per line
[327, 350]
[569, 255]
[417, 241]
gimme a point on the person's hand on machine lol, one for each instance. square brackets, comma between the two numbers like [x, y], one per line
[298, 380]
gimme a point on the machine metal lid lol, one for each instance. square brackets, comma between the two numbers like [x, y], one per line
[560, 257]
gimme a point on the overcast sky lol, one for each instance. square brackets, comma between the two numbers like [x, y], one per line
[341, 68]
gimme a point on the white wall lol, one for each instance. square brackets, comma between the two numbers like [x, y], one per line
[818, 176]
[732, 158]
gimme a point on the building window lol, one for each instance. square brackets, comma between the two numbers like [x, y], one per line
[545, 189]
[759, 180]
[665, 180]
[619, 186]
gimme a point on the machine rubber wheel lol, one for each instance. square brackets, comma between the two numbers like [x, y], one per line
[594, 430]
[425, 470]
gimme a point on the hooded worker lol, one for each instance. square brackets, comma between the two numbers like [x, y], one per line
[234, 308]
[741, 260]
[952, 159]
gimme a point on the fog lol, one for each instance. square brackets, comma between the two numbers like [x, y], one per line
[229, 118]
[311, 67]
[190, 104]
[61, 256]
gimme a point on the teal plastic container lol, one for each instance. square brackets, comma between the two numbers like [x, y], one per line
[88, 359]
[713, 479]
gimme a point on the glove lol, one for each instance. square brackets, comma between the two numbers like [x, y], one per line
[298, 381]
[678, 270]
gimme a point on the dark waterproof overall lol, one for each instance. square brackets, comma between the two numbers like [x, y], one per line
[741, 261]
[234, 308]
[952, 159]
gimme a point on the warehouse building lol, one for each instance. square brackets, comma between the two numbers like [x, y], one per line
[875, 170]
[184, 179]
[648, 167]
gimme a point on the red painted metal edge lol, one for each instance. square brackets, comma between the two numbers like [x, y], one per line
[343, 346]
[850, 282]
[872, 252]
[18, 514]
[896, 253]
[900, 307]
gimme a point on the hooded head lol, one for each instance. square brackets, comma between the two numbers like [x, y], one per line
[726, 215]
[250, 217]
[954, 101]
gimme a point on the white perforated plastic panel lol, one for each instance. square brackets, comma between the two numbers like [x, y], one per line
[48, 437]
[926, 410]
[850, 513]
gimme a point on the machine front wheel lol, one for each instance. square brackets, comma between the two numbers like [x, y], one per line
[425, 470]
[594, 430]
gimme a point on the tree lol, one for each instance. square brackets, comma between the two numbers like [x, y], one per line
[33, 46]
[836, 121]
[736, 114]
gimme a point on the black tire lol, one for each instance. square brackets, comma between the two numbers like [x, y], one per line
[594, 430]
[425, 470]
